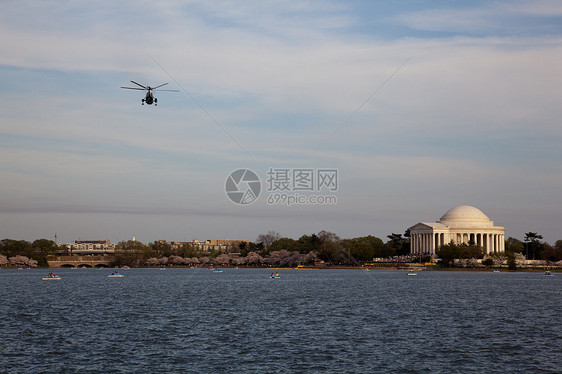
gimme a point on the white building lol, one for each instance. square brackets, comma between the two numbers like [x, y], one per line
[462, 224]
[90, 247]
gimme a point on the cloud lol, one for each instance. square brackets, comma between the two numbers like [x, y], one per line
[522, 18]
[472, 110]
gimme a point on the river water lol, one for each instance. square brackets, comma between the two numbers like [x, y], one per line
[240, 320]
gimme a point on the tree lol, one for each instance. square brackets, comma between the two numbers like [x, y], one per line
[268, 238]
[254, 259]
[131, 253]
[307, 243]
[283, 243]
[551, 254]
[22, 261]
[471, 251]
[243, 248]
[330, 247]
[488, 262]
[161, 248]
[277, 258]
[43, 248]
[361, 251]
[400, 246]
[514, 245]
[532, 244]
[366, 248]
[448, 253]
[222, 259]
[188, 250]
[11, 248]
[511, 263]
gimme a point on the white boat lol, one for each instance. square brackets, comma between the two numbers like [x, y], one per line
[275, 276]
[54, 277]
[115, 275]
[217, 271]
[412, 273]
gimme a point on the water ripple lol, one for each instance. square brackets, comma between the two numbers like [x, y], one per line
[192, 320]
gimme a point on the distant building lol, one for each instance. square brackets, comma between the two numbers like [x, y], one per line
[86, 247]
[220, 245]
[462, 225]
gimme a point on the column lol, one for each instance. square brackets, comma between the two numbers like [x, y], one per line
[431, 238]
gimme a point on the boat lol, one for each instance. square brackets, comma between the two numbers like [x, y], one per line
[115, 275]
[52, 276]
[548, 274]
[275, 276]
[411, 272]
[217, 270]
[496, 271]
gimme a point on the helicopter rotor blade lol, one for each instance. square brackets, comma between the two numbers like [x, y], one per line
[138, 84]
[159, 86]
[166, 90]
[134, 88]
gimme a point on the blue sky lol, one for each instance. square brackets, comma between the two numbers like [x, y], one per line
[420, 105]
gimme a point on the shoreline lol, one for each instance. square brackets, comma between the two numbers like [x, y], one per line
[491, 269]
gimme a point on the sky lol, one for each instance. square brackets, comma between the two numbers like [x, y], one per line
[415, 106]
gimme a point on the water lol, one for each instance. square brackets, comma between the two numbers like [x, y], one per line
[325, 321]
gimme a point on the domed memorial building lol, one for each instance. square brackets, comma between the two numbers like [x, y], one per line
[462, 224]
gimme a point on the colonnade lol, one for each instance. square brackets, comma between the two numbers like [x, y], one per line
[430, 242]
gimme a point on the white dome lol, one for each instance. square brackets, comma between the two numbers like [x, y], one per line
[465, 216]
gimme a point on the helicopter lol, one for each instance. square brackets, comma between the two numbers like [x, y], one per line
[149, 98]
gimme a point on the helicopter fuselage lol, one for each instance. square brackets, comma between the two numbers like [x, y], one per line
[149, 98]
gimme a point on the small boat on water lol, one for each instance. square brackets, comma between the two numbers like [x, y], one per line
[412, 273]
[548, 274]
[217, 270]
[115, 275]
[52, 276]
[496, 271]
[275, 276]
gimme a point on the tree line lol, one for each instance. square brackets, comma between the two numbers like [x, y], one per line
[26, 254]
[274, 250]
[268, 249]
